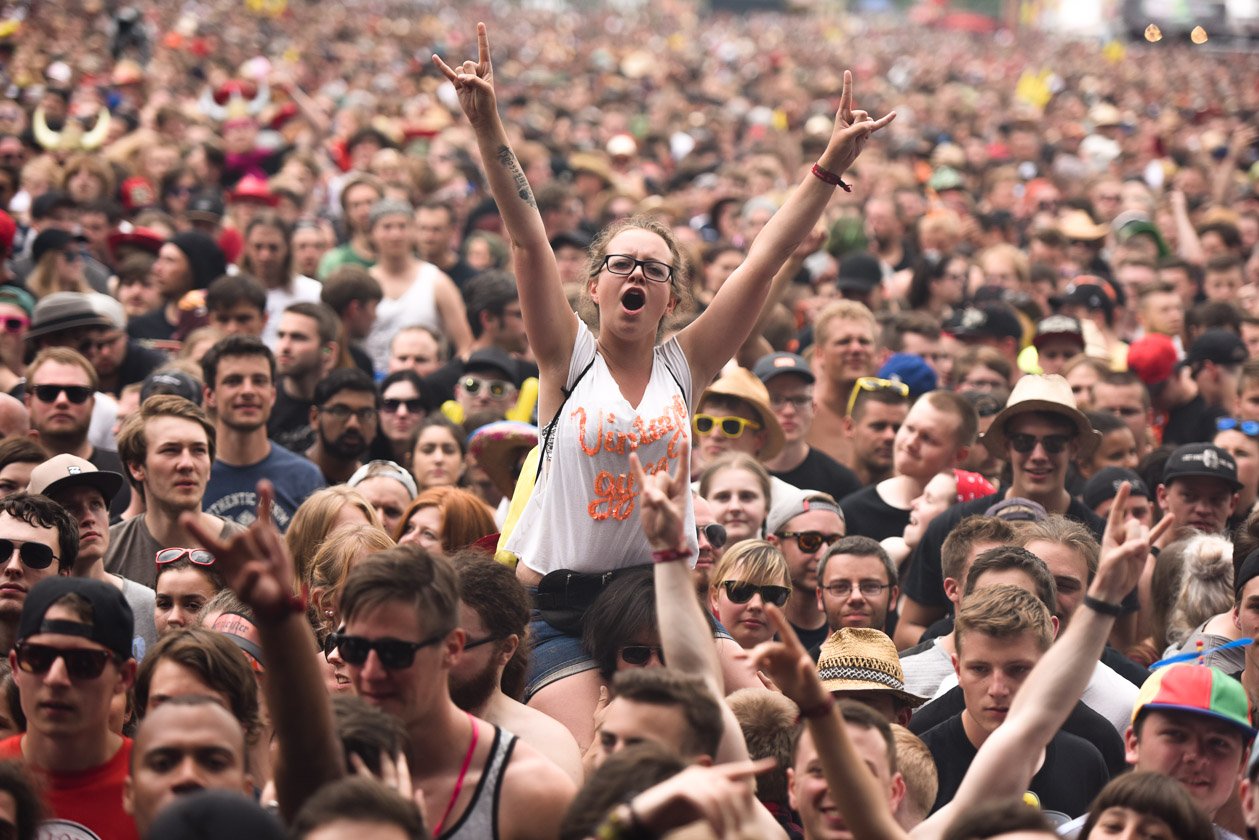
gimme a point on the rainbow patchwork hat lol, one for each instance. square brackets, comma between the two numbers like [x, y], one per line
[1199, 689]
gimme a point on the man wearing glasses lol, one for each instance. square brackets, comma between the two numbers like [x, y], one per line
[346, 418]
[85, 493]
[72, 658]
[734, 416]
[804, 524]
[857, 585]
[60, 394]
[39, 540]
[1038, 433]
[488, 386]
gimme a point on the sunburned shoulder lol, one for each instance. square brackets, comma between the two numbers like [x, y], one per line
[532, 779]
[536, 728]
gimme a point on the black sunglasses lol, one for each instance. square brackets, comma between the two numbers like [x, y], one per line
[1054, 444]
[34, 555]
[810, 541]
[76, 394]
[394, 654]
[740, 593]
[641, 654]
[414, 406]
[80, 664]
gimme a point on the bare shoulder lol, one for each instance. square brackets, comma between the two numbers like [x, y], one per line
[545, 734]
[535, 795]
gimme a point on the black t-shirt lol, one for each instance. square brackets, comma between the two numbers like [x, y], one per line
[1124, 667]
[1083, 722]
[289, 424]
[868, 515]
[925, 582]
[1071, 775]
[151, 326]
[362, 361]
[823, 474]
[108, 460]
[812, 639]
[137, 364]
[1193, 422]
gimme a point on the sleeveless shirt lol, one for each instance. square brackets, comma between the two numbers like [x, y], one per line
[416, 307]
[583, 514]
[479, 820]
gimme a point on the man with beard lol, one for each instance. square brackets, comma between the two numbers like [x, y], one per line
[345, 417]
[494, 614]
[711, 537]
[60, 395]
[804, 524]
[305, 352]
[239, 373]
[168, 447]
[844, 350]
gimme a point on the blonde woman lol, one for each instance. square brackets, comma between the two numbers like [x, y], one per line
[750, 575]
[324, 512]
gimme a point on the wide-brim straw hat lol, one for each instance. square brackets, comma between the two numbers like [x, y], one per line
[863, 659]
[1048, 393]
[497, 448]
[742, 384]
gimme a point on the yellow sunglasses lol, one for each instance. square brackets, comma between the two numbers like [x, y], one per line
[874, 383]
[731, 427]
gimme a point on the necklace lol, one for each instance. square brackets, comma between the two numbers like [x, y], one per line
[463, 772]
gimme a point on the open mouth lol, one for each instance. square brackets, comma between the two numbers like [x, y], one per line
[634, 299]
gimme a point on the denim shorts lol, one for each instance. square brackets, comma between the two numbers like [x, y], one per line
[553, 655]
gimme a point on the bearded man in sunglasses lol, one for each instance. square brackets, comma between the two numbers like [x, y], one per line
[71, 660]
[1038, 433]
[60, 395]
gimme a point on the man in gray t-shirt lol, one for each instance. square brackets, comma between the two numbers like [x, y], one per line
[85, 492]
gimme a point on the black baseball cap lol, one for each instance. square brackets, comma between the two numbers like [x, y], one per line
[1201, 460]
[1246, 572]
[1223, 347]
[174, 382]
[1090, 296]
[1058, 326]
[113, 624]
[1106, 483]
[987, 320]
[776, 364]
[859, 271]
[493, 358]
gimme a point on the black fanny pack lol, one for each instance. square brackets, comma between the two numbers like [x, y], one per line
[563, 596]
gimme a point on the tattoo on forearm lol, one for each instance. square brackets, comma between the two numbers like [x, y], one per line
[509, 162]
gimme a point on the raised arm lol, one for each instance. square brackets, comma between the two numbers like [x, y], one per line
[549, 322]
[849, 780]
[715, 335]
[1007, 761]
[258, 568]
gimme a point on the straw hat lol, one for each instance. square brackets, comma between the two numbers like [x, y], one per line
[1078, 225]
[498, 447]
[863, 659]
[1049, 393]
[743, 384]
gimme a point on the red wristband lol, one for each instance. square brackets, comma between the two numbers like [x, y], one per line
[829, 177]
[820, 710]
[668, 555]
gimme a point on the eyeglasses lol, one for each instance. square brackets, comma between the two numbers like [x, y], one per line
[15, 323]
[1249, 428]
[868, 588]
[640, 654]
[394, 654]
[873, 384]
[80, 664]
[731, 427]
[76, 394]
[810, 541]
[799, 403]
[34, 555]
[342, 413]
[90, 345]
[740, 593]
[390, 406]
[714, 532]
[479, 642]
[199, 556]
[624, 265]
[1054, 444]
[498, 388]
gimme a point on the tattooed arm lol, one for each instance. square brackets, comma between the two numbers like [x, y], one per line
[549, 321]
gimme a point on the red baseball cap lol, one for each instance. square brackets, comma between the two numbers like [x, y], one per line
[1153, 358]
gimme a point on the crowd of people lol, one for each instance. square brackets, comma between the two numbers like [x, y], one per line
[654, 423]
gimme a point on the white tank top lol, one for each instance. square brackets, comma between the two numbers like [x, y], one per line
[583, 514]
[416, 307]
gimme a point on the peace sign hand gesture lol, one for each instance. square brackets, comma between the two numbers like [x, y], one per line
[474, 82]
[852, 130]
[255, 563]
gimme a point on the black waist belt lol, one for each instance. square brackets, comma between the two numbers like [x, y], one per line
[564, 589]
